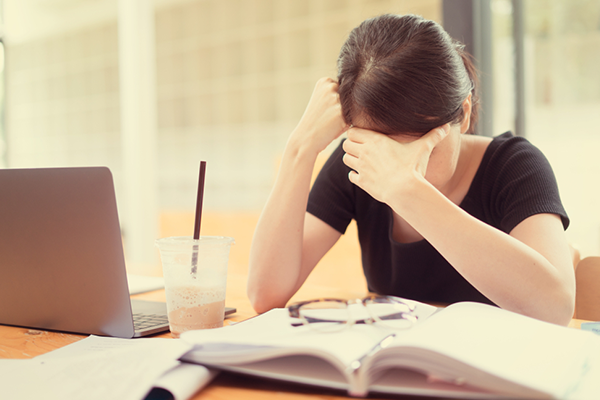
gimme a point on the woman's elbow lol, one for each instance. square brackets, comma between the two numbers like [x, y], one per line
[566, 305]
[558, 302]
[261, 306]
[563, 308]
[566, 311]
[556, 307]
[262, 299]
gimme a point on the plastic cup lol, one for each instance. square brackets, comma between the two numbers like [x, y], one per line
[195, 293]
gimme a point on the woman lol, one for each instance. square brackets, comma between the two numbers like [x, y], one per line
[442, 215]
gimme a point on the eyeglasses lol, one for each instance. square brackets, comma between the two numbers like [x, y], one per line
[336, 314]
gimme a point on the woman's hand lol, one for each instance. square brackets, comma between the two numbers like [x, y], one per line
[322, 121]
[288, 242]
[384, 166]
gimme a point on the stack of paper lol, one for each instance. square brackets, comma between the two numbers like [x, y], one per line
[104, 368]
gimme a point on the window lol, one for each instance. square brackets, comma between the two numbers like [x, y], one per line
[561, 97]
[3, 161]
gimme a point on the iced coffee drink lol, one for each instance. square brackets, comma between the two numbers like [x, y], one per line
[195, 307]
[195, 273]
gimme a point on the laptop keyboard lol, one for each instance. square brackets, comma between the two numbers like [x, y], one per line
[145, 321]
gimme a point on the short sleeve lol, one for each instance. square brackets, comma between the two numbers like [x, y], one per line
[520, 183]
[331, 198]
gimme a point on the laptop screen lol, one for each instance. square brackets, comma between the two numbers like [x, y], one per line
[61, 253]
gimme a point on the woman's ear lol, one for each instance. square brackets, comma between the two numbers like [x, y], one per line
[466, 122]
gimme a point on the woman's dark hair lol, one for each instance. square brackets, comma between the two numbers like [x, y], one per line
[405, 74]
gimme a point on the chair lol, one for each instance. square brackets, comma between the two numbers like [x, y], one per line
[587, 298]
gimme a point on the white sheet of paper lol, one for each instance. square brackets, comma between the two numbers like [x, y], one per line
[182, 381]
[93, 368]
[185, 380]
[94, 344]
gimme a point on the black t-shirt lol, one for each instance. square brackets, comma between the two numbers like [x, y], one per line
[513, 182]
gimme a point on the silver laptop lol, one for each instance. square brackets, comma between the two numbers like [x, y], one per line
[61, 255]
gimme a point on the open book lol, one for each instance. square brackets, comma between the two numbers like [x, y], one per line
[467, 350]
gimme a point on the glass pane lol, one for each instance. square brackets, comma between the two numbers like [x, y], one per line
[503, 67]
[3, 161]
[562, 48]
[562, 99]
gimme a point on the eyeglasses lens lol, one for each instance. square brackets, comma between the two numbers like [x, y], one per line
[391, 313]
[325, 315]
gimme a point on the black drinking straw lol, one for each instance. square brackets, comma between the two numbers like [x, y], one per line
[198, 219]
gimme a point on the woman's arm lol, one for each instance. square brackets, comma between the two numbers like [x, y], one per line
[287, 242]
[528, 271]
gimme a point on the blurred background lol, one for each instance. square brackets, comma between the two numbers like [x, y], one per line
[150, 88]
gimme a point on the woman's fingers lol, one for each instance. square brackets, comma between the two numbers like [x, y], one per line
[350, 161]
[353, 146]
[376, 158]
[322, 121]
[353, 177]
[435, 136]
[358, 135]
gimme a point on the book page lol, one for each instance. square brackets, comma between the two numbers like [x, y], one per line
[395, 380]
[474, 347]
[514, 348]
[301, 369]
[589, 386]
[272, 335]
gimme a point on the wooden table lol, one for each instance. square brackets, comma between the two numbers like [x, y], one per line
[21, 343]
